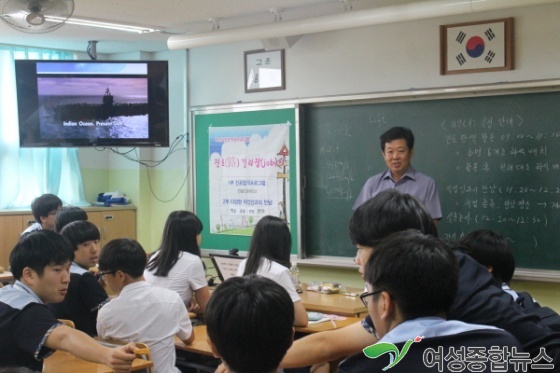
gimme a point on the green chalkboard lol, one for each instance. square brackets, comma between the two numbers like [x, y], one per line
[245, 168]
[495, 159]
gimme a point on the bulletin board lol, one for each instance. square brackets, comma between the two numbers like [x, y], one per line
[246, 166]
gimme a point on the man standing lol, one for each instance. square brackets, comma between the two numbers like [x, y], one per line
[397, 148]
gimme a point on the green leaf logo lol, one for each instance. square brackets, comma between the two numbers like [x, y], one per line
[381, 348]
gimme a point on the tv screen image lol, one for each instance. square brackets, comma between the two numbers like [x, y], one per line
[92, 103]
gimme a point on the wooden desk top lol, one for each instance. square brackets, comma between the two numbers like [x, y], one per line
[199, 345]
[333, 304]
[6, 276]
[336, 304]
[64, 362]
[327, 325]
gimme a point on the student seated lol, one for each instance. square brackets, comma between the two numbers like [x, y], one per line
[491, 249]
[67, 215]
[479, 300]
[269, 256]
[85, 295]
[411, 281]
[140, 312]
[250, 324]
[177, 265]
[44, 210]
[29, 332]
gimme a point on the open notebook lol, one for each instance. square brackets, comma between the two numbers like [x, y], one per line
[226, 265]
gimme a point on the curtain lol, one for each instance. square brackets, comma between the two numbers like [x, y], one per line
[26, 173]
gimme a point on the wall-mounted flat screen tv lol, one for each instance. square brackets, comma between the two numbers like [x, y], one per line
[92, 103]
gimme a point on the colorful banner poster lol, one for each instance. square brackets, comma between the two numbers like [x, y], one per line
[249, 169]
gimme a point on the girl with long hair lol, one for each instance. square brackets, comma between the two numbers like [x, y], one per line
[269, 256]
[177, 265]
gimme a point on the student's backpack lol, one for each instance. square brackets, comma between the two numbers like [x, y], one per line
[547, 315]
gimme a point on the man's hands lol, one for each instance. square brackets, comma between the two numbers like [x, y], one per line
[120, 358]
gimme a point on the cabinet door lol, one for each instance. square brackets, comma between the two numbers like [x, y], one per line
[114, 224]
[10, 230]
[26, 221]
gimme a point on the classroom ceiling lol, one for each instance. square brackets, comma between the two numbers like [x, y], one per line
[173, 17]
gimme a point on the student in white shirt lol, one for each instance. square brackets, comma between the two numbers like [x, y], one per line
[269, 256]
[44, 210]
[176, 265]
[140, 312]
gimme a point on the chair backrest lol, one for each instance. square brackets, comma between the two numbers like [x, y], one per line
[143, 351]
[70, 323]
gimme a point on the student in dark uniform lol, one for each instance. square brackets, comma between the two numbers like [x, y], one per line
[29, 332]
[479, 300]
[85, 295]
[411, 281]
[67, 215]
[255, 312]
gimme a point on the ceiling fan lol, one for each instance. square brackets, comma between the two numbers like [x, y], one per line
[36, 16]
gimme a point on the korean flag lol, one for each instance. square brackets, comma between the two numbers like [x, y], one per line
[476, 46]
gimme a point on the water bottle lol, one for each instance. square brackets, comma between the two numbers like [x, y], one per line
[294, 275]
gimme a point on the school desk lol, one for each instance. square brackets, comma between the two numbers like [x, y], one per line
[64, 362]
[336, 304]
[6, 277]
[327, 325]
[200, 345]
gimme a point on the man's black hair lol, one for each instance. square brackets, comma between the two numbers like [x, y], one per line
[250, 322]
[386, 213]
[419, 271]
[396, 133]
[39, 249]
[42, 205]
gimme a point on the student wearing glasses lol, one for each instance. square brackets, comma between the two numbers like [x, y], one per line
[140, 312]
[29, 331]
[479, 300]
[44, 210]
[411, 281]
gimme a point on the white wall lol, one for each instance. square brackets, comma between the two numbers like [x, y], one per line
[91, 158]
[380, 58]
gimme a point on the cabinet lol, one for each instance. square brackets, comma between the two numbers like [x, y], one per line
[10, 228]
[113, 222]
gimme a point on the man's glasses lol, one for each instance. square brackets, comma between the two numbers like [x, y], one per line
[363, 296]
[100, 274]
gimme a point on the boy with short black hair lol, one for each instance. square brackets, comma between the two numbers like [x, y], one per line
[250, 324]
[412, 281]
[140, 312]
[67, 215]
[29, 332]
[44, 210]
[479, 299]
[85, 295]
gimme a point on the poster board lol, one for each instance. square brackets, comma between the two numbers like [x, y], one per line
[246, 166]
